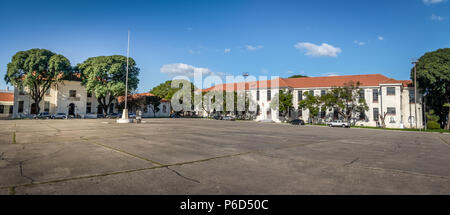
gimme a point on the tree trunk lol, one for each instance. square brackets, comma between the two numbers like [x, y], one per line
[448, 119]
[37, 106]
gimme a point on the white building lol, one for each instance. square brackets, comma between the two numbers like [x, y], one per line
[382, 95]
[6, 103]
[69, 97]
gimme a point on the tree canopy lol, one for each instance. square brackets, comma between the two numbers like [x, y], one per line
[105, 77]
[298, 76]
[282, 102]
[37, 70]
[346, 100]
[433, 79]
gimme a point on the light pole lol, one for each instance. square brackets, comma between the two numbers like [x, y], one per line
[415, 91]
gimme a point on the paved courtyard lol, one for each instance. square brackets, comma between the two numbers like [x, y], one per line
[195, 156]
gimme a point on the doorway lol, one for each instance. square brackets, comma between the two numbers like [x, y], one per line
[71, 109]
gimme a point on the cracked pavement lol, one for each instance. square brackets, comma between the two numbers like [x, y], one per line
[196, 156]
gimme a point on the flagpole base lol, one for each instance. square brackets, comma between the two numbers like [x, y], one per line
[124, 118]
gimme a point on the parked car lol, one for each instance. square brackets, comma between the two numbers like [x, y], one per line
[339, 123]
[59, 116]
[229, 118]
[131, 115]
[217, 117]
[100, 115]
[297, 122]
[175, 115]
[113, 115]
[43, 115]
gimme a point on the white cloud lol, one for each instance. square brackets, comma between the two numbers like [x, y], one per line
[181, 69]
[319, 51]
[437, 18]
[359, 43]
[227, 50]
[429, 2]
[329, 74]
[380, 38]
[253, 48]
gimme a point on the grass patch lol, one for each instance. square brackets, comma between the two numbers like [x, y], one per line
[14, 138]
[406, 129]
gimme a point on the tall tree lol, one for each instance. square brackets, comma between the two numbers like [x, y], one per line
[345, 100]
[433, 79]
[311, 103]
[105, 77]
[36, 70]
[283, 102]
[154, 102]
[298, 76]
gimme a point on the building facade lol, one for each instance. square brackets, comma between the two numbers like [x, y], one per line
[69, 97]
[136, 103]
[394, 99]
[6, 103]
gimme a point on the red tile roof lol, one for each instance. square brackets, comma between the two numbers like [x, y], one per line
[317, 82]
[6, 97]
[137, 96]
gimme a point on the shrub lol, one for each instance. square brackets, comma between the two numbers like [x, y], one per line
[433, 125]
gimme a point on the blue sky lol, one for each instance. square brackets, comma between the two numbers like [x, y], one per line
[280, 38]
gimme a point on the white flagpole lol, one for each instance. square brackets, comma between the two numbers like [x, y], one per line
[126, 79]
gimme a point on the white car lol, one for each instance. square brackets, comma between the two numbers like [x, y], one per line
[339, 123]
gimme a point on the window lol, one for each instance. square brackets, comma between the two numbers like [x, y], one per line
[257, 95]
[390, 91]
[362, 94]
[323, 113]
[47, 93]
[391, 111]
[362, 115]
[89, 95]
[323, 92]
[88, 107]
[47, 106]
[300, 95]
[11, 109]
[376, 114]
[72, 93]
[20, 107]
[269, 94]
[300, 112]
[412, 96]
[375, 95]
[311, 92]
[164, 109]
[2, 109]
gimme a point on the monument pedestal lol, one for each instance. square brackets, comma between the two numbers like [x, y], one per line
[124, 118]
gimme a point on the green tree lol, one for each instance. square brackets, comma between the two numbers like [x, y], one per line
[36, 70]
[311, 103]
[154, 102]
[345, 100]
[105, 77]
[433, 79]
[298, 76]
[282, 102]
